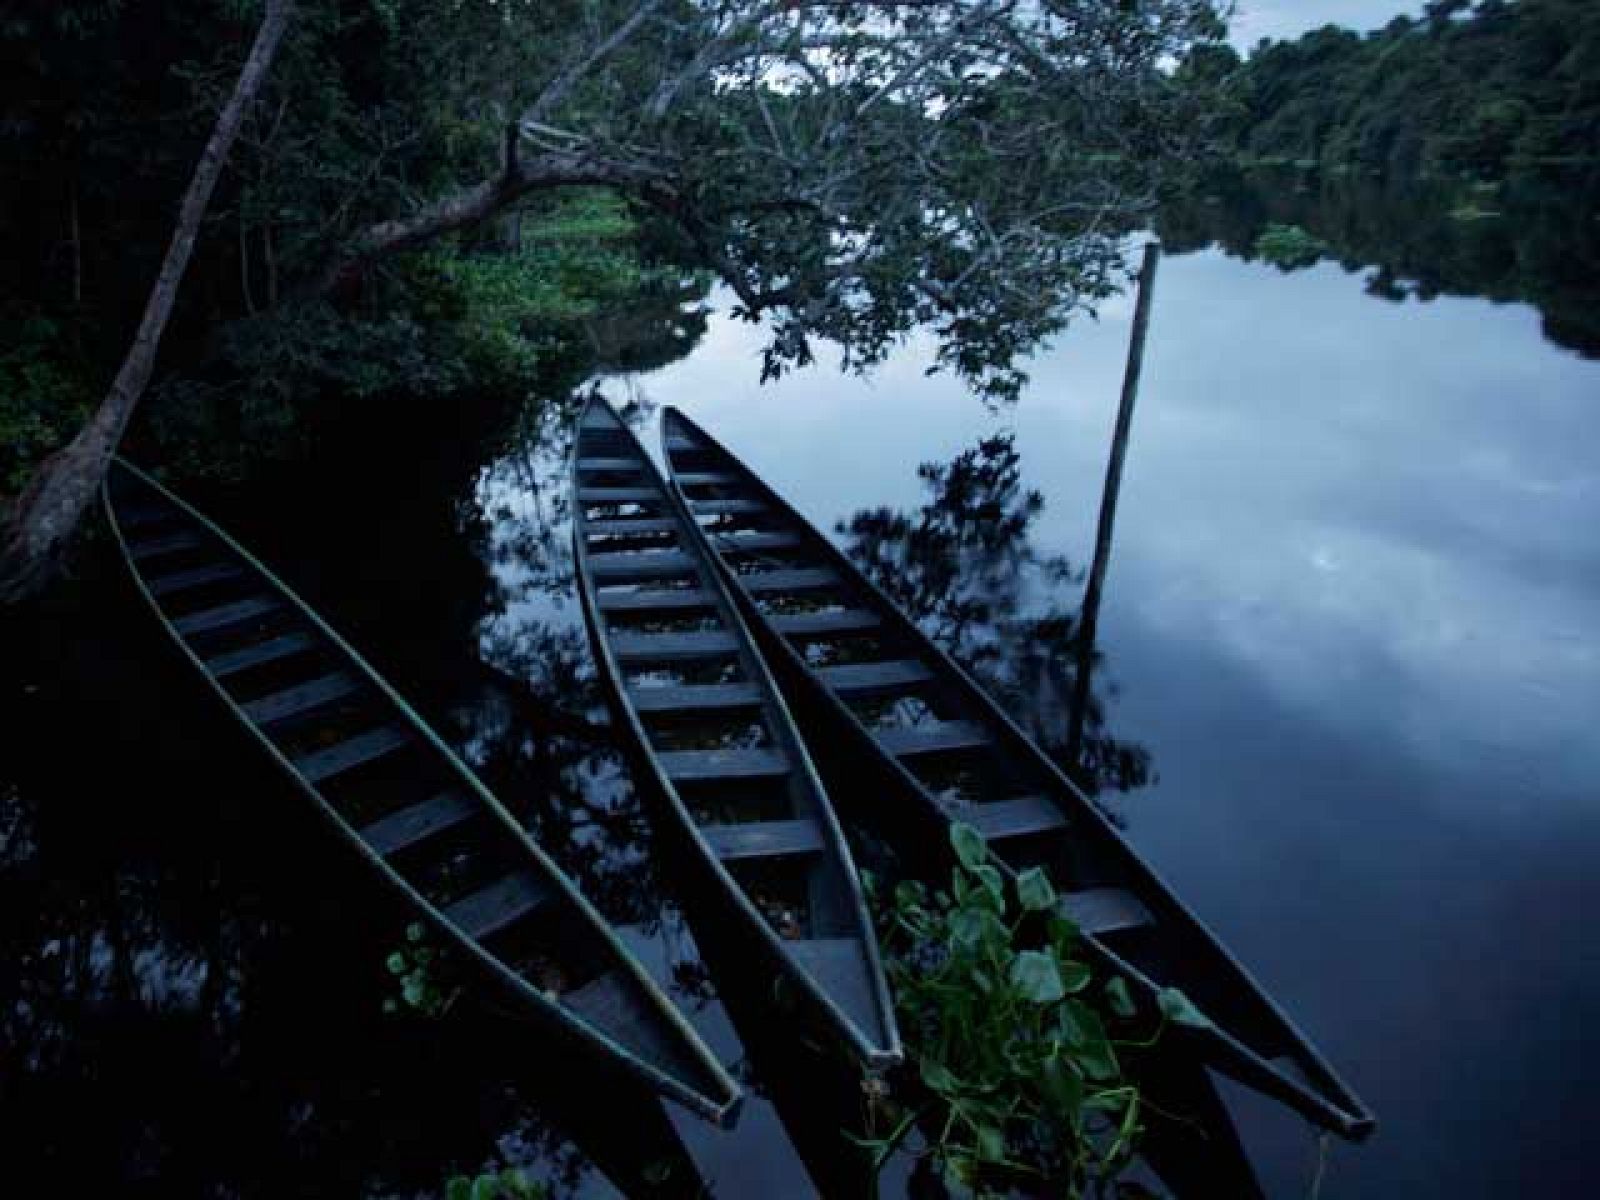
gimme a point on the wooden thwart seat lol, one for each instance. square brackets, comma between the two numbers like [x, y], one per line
[608, 464]
[748, 542]
[938, 738]
[397, 831]
[821, 624]
[701, 697]
[170, 544]
[672, 647]
[763, 839]
[302, 699]
[353, 752]
[640, 564]
[271, 650]
[726, 508]
[629, 526]
[687, 766]
[1102, 911]
[225, 615]
[490, 909]
[887, 676]
[800, 579]
[632, 495]
[1022, 816]
[165, 585]
[654, 600]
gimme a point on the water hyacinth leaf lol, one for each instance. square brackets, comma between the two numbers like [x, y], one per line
[991, 1143]
[1180, 1010]
[459, 1188]
[485, 1187]
[1075, 976]
[969, 845]
[1098, 1059]
[1062, 1085]
[1035, 891]
[1035, 975]
[973, 926]
[1119, 998]
[994, 889]
[937, 1076]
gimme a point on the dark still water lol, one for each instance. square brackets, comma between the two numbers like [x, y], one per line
[1351, 671]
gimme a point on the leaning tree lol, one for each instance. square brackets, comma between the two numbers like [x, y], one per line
[851, 171]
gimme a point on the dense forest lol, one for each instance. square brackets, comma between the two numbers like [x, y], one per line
[1455, 153]
[1480, 90]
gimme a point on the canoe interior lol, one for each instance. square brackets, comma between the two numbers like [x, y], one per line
[415, 812]
[710, 726]
[880, 690]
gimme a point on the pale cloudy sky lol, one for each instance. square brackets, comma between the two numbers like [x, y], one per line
[1257, 19]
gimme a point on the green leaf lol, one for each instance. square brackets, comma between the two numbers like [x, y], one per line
[1179, 1009]
[1119, 998]
[1074, 977]
[975, 926]
[485, 1187]
[1098, 1059]
[991, 1143]
[994, 888]
[1035, 891]
[459, 1188]
[415, 932]
[969, 845]
[1035, 975]
[937, 1076]
[397, 963]
[1062, 1086]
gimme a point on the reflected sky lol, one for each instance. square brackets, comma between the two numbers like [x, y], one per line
[1354, 612]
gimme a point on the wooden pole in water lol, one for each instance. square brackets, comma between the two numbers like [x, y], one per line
[1089, 618]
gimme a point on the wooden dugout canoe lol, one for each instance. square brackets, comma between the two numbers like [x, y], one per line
[928, 747]
[420, 819]
[713, 744]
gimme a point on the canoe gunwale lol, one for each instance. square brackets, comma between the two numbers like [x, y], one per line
[787, 739]
[723, 1110]
[1330, 1102]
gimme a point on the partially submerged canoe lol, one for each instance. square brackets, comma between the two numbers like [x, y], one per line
[712, 742]
[421, 820]
[927, 746]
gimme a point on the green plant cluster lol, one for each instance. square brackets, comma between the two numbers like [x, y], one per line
[509, 1184]
[420, 971]
[1289, 246]
[42, 399]
[1007, 1033]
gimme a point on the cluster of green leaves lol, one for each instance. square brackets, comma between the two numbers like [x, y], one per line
[1008, 1033]
[421, 972]
[509, 1184]
[1289, 247]
[43, 399]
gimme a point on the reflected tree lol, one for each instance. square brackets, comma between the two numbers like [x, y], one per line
[964, 567]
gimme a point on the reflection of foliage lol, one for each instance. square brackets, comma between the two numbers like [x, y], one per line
[422, 972]
[1017, 1071]
[509, 1184]
[1289, 247]
[963, 568]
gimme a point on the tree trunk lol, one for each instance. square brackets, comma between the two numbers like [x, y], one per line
[50, 510]
[1089, 619]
